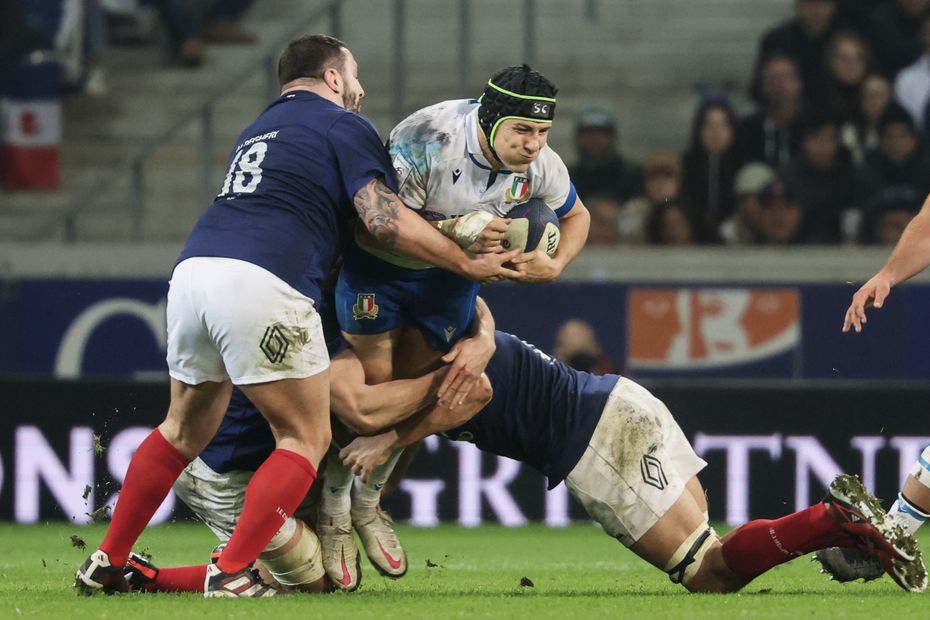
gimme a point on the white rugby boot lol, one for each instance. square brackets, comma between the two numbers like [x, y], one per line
[341, 560]
[376, 530]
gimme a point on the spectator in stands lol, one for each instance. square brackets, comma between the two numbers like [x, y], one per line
[771, 134]
[661, 184]
[780, 215]
[901, 158]
[823, 179]
[875, 96]
[888, 214]
[895, 33]
[848, 61]
[188, 34]
[912, 84]
[671, 224]
[600, 169]
[710, 164]
[576, 345]
[742, 227]
[804, 38]
[605, 220]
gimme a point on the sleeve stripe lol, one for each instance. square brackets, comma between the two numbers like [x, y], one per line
[569, 202]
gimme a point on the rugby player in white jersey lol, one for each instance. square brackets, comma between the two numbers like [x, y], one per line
[912, 508]
[464, 165]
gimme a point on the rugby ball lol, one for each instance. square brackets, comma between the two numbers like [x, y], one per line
[533, 226]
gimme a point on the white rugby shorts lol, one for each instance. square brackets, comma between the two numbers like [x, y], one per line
[217, 499]
[228, 318]
[636, 465]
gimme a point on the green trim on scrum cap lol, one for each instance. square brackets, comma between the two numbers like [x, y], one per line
[504, 118]
[517, 95]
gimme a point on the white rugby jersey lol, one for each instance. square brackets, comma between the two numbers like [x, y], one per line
[442, 172]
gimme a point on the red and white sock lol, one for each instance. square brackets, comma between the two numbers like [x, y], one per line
[273, 494]
[759, 545]
[178, 579]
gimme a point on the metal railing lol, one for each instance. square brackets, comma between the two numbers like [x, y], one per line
[136, 169]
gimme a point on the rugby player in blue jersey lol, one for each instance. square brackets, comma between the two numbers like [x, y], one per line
[618, 449]
[462, 164]
[625, 459]
[242, 304]
[214, 484]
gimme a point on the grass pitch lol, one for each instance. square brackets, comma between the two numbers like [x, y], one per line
[576, 572]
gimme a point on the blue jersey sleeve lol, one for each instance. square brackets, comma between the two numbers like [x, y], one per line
[360, 154]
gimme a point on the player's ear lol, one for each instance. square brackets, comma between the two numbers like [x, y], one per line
[333, 79]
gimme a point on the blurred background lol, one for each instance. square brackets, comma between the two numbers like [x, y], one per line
[747, 164]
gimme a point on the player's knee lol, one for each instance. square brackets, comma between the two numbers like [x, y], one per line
[188, 443]
[293, 558]
[689, 565]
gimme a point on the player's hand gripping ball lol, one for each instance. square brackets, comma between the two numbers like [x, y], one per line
[533, 226]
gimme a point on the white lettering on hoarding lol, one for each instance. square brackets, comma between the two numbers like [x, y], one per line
[738, 448]
[424, 494]
[472, 487]
[424, 501]
[868, 445]
[810, 458]
[36, 462]
[557, 506]
[36, 466]
[119, 453]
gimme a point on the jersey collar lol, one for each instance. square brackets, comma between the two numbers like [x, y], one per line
[472, 145]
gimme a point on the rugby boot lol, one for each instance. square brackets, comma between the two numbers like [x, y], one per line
[139, 572]
[341, 559]
[861, 516]
[376, 530]
[844, 564]
[244, 584]
[97, 575]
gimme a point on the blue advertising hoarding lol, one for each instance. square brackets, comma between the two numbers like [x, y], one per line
[84, 328]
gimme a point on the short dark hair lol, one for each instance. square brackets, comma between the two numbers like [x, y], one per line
[309, 56]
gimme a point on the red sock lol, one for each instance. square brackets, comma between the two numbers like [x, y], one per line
[178, 579]
[759, 545]
[153, 469]
[274, 492]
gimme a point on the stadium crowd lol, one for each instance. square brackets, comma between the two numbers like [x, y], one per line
[76, 33]
[835, 151]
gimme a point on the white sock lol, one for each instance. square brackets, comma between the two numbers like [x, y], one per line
[367, 495]
[909, 517]
[336, 498]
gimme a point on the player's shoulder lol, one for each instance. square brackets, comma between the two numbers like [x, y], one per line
[346, 121]
[432, 132]
[442, 116]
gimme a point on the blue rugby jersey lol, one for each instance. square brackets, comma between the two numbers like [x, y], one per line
[288, 191]
[543, 413]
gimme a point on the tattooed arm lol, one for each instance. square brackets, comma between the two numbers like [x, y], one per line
[397, 227]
